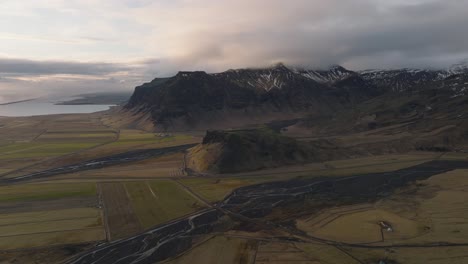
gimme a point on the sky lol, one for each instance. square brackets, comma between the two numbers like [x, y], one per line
[80, 46]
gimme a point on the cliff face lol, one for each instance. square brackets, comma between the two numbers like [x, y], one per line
[197, 100]
[189, 96]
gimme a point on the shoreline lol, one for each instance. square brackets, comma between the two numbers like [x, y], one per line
[17, 102]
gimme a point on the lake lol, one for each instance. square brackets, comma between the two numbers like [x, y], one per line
[47, 107]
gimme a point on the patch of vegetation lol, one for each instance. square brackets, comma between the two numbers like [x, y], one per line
[160, 201]
[140, 137]
[36, 192]
[53, 238]
[246, 150]
[33, 229]
[31, 150]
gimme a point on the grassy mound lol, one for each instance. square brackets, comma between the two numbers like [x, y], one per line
[247, 150]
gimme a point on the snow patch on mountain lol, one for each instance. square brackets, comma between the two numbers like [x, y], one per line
[331, 75]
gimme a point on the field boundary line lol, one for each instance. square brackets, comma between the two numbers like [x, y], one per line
[104, 211]
[193, 193]
[56, 158]
[257, 245]
[51, 232]
[151, 190]
[44, 221]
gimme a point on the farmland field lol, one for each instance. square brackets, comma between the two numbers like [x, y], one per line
[219, 250]
[34, 229]
[63, 214]
[159, 201]
[41, 192]
[33, 215]
[215, 190]
[119, 213]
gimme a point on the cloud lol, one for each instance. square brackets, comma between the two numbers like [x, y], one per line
[20, 78]
[121, 38]
[22, 67]
[359, 33]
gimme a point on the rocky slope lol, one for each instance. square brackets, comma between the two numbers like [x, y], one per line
[247, 150]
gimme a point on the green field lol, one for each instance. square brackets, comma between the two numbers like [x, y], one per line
[160, 201]
[33, 192]
[37, 149]
[81, 135]
[138, 137]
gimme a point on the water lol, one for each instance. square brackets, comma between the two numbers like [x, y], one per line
[47, 107]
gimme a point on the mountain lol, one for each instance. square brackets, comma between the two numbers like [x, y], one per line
[329, 76]
[254, 149]
[198, 100]
[459, 68]
[264, 94]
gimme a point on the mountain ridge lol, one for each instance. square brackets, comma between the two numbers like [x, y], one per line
[266, 93]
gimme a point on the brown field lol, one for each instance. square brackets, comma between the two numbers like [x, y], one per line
[165, 166]
[431, 211]
[46, 191]
[52, 239]
[35, 215]
[48, 255]
[48, 205]
[219, 250]
[98, 150]
[275, 252]
[327, 254]
[439, 203]
[437, 255]
[362, 227]
[118, 211]
[45, 228]
[67, 210]
[215, 189]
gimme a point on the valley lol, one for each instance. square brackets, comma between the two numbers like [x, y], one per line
[233, 132]
[125, 188]
[373, 177]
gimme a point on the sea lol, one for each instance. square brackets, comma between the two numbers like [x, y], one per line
[43, 106]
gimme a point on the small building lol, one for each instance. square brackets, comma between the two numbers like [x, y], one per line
[386, 226]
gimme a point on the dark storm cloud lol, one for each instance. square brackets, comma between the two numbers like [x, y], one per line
[359, 34]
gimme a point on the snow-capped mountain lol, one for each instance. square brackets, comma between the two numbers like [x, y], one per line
[459, 68]
[259, 79]
[280, 88]
[329, 76]
[402, 79]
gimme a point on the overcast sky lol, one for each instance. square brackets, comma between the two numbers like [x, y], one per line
[78, 46]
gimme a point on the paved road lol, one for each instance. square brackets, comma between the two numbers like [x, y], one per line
[126, 157]
[251, 203]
